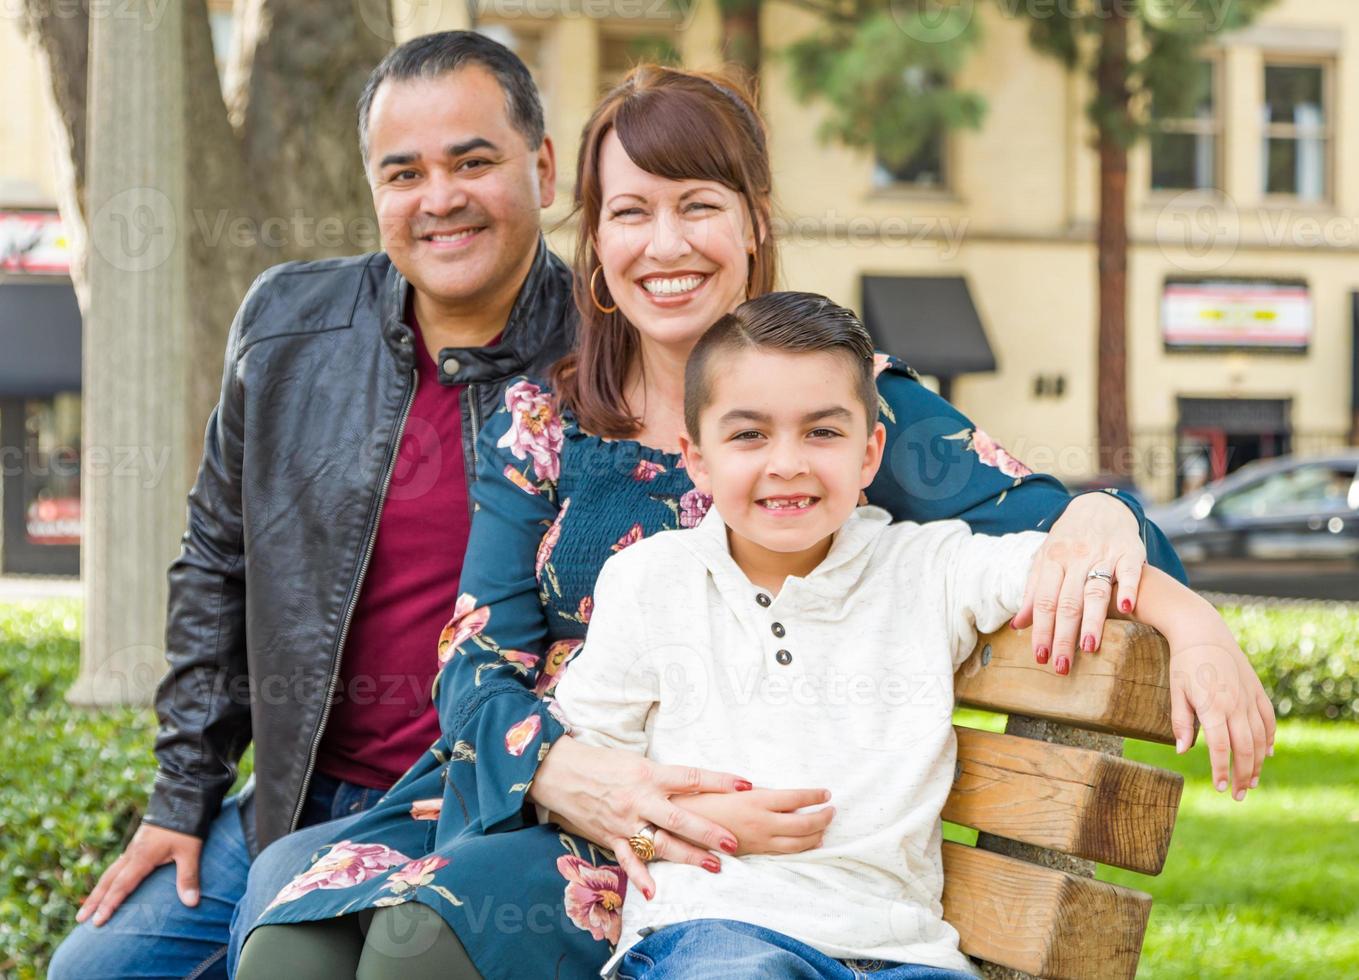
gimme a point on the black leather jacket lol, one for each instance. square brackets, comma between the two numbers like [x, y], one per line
[319, 378]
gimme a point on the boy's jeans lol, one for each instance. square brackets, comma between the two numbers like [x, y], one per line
[706, 948]
[153, 934]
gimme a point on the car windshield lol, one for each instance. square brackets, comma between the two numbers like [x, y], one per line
[1305, 489]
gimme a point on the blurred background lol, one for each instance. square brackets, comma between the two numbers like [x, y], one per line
[1121, 235]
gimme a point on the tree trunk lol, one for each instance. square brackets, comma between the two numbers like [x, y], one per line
[741, 37]
[1111, 411]
[267, 173]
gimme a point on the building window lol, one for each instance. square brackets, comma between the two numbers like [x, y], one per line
[621, 50]
[1185, 150]
[1296, 131]
[924, 169]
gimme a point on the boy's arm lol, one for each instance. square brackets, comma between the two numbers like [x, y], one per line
[1211, 682]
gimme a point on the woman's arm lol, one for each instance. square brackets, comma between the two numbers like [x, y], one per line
[1211, 683]
[938, 465]
[491, 654]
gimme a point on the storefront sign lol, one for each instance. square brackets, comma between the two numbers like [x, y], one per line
[34, 242]
[54, 521]
[1237, 313]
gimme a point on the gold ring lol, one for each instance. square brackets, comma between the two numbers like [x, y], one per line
[643, 843]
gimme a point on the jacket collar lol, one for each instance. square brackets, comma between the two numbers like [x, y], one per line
[543, 300]
[850, 551]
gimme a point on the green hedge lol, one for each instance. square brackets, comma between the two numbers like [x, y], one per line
[1307, 656]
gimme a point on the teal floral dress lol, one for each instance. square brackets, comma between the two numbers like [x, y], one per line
[457, 833]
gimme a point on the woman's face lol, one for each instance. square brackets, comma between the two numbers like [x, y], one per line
[676, 253]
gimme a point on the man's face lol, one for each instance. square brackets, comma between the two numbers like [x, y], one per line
[456, 188]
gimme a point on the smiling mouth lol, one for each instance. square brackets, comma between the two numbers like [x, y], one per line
[785, 504]
[450, 237]
[673, 285]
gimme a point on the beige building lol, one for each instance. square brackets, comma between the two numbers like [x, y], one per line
[1244, 266]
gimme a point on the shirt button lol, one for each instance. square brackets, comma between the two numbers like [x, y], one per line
[778, 630]
[784, 657]
[451, 365]
[762, 599]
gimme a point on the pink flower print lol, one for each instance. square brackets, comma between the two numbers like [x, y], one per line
[520, 481]
[468, 621]
[346, 864]
[991, 453]
[880, 362]
[522, 657]
[693, 506]
[521, 735]
[427, 809]
[632, 537]
[549, 541]
[594, 896]
[535, 430]
[554, 665]
[415, 873]
[645, 471]
[586, 608]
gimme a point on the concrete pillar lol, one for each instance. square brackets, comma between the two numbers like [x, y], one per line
[135, 473]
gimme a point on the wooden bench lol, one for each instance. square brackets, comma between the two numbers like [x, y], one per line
[1052, 796]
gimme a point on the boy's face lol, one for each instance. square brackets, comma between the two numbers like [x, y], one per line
[784, 447]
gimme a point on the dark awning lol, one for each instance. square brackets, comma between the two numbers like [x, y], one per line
[929, 322]
[39, 338]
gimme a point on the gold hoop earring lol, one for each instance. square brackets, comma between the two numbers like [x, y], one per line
[598, 305]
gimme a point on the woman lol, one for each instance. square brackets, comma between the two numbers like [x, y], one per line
[673, 191]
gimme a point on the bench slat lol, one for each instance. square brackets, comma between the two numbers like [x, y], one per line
[1122, 688]
[1085, 803]
[1045, 922]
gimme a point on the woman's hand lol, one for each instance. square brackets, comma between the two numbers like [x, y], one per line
[607, 795]
[1096, 531]
[763, 819]
[1213, 686]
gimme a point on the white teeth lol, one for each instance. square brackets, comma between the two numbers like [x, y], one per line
[801, 503]
[455, 237]
[668, 287]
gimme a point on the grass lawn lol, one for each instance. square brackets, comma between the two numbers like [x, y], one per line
[1264, 888]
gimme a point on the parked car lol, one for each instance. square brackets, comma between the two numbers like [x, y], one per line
[1286, 526]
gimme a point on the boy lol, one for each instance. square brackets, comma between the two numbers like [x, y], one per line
[803, 640]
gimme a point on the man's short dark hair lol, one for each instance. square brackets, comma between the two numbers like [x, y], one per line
[433, 55]
[800, 323]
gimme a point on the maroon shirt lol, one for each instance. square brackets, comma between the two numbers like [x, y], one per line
[383, 716]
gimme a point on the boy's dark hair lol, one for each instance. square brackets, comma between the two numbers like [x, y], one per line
[799, 323]
[433, 55]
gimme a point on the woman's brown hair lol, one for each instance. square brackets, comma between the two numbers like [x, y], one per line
[682, 125]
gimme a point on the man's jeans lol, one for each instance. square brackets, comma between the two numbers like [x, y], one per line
[706, 948]
[154, 935]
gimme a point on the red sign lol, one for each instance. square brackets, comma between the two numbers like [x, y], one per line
[54, 520]
[34, 242]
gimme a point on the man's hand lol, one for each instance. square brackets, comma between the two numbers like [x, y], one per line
[150, 848]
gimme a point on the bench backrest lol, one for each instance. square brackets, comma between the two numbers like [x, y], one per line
[1023, 899]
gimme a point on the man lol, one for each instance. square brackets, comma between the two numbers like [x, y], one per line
[330, 514]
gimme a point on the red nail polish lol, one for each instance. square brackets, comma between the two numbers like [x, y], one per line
[742, 785]
[711, 865]
[1043, 655]
[1088, 644]
[728, 845]
[1125, 605]
[1063, 665]
[648, 893]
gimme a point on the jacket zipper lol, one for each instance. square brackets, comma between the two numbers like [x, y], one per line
[393, 453]
[476, 429]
